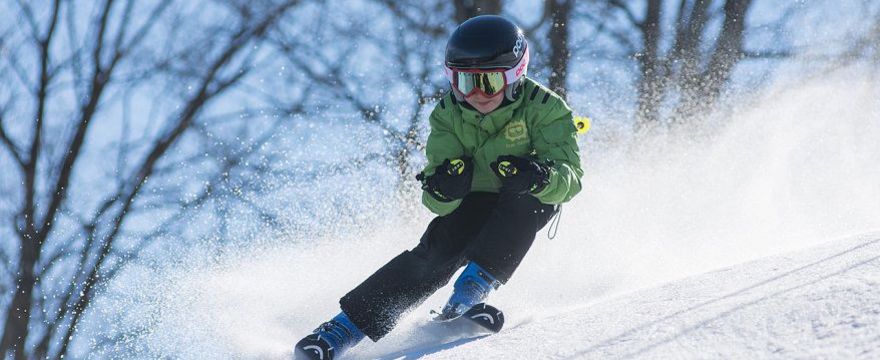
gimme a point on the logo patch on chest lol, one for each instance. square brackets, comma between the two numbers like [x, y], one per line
[516, 132]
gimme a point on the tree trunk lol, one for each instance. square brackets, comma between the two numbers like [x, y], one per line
[728, 50]
[701, 91]
[560, 54]
[686, 58]
[650, 93]
[18, 315]
[684, 75]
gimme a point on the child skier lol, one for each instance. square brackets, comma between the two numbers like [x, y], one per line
[502, 155]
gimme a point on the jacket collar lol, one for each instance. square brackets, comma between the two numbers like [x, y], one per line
[493, 121]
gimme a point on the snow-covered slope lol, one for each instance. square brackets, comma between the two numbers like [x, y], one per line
[796, 168]
[819, 303]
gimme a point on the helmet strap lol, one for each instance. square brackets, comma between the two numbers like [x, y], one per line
[512, 91]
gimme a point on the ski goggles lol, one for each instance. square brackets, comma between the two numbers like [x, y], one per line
[487, 81]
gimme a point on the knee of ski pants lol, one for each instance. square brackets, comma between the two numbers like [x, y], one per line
[506, 239]
[523, 207]
[439, 252]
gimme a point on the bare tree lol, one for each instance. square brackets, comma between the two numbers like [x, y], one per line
[67, 80]
[684, 63]
[394, 99]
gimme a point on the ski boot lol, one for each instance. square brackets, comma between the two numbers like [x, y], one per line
[329, 340]
[471, 288]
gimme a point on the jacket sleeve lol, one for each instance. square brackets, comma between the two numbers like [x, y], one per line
[555, 138]
[442, 144]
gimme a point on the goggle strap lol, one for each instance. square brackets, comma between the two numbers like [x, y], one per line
[521, 68]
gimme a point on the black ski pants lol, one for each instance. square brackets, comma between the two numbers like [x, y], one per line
[493, 230]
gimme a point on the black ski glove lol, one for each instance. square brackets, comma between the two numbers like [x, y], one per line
[451, 180]
[521, 175]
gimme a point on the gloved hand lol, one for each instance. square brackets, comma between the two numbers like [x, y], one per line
[451, 180]
[521, 175]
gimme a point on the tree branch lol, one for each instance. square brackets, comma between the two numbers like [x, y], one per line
[19, 311]
[100, 78]
[768, 54]
[13, 149]
[42, 99]
[630, 15]
[423, 26]
[29, 17]
[332, 79]
[6, 269]
[603, 28]
[209, 88]
[76, 67]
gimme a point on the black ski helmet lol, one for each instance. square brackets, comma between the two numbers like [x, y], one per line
[489, 42]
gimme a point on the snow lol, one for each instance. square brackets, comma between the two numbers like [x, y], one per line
[818, 303]
[670, 255]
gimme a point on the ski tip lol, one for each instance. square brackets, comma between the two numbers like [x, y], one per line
[486, 316]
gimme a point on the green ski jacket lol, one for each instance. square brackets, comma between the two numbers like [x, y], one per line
[539, 123]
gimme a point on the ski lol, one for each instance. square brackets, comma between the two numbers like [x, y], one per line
[485, 316]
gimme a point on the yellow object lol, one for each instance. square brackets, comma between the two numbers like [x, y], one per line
[582, 123]
[506, 169]
[456, 167]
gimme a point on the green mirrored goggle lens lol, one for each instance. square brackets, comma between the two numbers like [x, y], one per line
[489, 83]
